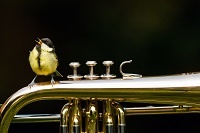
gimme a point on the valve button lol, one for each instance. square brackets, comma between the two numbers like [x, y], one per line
[91, 74]
[108, 75]
[74, 64]
[75, 76]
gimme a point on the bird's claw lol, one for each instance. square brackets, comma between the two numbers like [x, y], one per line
[52, 82]
[31, 84]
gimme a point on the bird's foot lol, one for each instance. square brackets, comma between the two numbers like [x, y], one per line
[31, 84]
[52, 81]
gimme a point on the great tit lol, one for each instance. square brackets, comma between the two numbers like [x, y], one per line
[43, 60]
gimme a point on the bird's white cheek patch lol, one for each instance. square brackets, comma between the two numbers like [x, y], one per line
[45, 47]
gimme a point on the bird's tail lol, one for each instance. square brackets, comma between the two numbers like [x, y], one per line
[58, 74]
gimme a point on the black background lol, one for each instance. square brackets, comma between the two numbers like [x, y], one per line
[161, 37]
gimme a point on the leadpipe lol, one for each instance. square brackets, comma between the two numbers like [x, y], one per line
[177, 90]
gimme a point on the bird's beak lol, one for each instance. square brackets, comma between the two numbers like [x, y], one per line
[39, 41]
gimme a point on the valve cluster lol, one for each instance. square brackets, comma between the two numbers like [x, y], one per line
[91, 75]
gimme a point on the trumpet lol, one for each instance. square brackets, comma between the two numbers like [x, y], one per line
[181, 92]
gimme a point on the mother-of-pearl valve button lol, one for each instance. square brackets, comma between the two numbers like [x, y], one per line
[75, 76]
[108, 75]
[91, 74]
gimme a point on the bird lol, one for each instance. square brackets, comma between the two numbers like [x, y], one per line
[43, 60]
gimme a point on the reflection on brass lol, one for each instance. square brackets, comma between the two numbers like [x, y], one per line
[75, 117]
[64, 117]
[180, 92]
[120, 116]
[91, 116]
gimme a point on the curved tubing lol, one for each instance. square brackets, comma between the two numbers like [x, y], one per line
[177, 89]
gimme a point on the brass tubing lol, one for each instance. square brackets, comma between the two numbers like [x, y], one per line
[108, 119]
[174, 90]
[75, 124]
[36, 118]
[64, 118]
[151, 110]
[161, 110]
[120, 117]
[91, 124]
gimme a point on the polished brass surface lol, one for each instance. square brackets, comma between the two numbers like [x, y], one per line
[91, 124]
[108, 120]
[149, 110]
[75, 123]
[91, 74]
[182, 89]
[120, 114]
[128, 75]
[64, 117]
[107, 75]
[74, 76]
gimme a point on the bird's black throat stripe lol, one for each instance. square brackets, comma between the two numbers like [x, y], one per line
[38, 48]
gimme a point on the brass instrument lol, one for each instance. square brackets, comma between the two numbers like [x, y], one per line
[181, 91]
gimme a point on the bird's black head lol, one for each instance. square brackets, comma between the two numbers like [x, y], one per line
[48, 42]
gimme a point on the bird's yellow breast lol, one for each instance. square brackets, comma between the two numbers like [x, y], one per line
[48, 62]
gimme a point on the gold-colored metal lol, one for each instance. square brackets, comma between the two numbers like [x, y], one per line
[121, 117]
[75, 118]
[130, 111]
[175, 90]
[91, 124]
[64, 117]
[108, 120]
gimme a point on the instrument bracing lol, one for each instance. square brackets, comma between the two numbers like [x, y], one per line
[181, 91]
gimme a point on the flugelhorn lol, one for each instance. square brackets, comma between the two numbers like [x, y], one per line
[181, 92]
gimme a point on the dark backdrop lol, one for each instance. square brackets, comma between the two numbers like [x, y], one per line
[161, 37]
